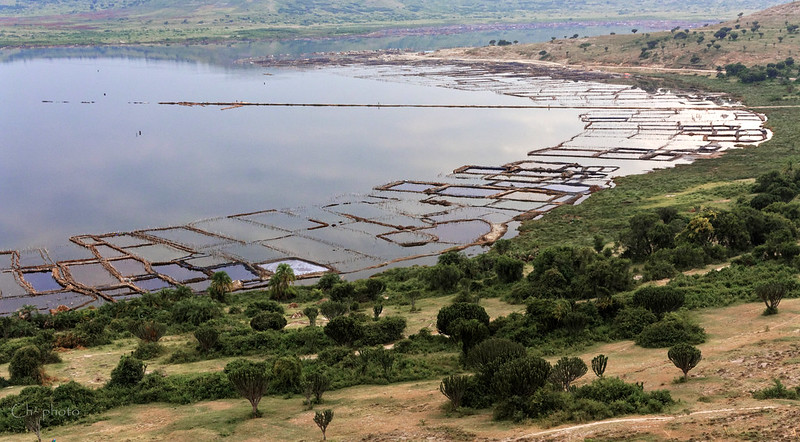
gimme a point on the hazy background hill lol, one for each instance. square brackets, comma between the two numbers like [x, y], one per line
[112, 21]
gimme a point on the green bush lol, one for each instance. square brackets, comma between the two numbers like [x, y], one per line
[207, 337]
[508, 269]
[263, 305]
[26, 366]
[670, 331]
[630, 321]
[128, 372]
[383, 331]
[333, 309]
[777, 391]
[659, 299]
[520, 377]
[493, 350]
[443, 277]
[147, 350]
[286, 375]
[344, 330]
[196, 310]
[268, 321]
[461, 310]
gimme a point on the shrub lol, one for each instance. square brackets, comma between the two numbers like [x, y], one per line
[658, 299]
[195, 311]
[343, 292]
[268, 321]
[317, 384]
[328, 280]
[630, 322]
[286, 375]
[772, 293]
[333, 309]
[454, 388]
[263, 305]
[383, 331]
[344, 330]
[249, 379]
[521, 377]
[493, 350]
[670, 331]
[149, 331]
[566, 371]
[147, 350]
[311, 313]
[207, 336]
[333, 355]
[508, 269]
[461, 310]
[777, 391]
[323, 419]
[443, 277]
[685, 357]
[26, 366]
[127, 373]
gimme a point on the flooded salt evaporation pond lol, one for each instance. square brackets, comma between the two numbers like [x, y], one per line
[613, 131]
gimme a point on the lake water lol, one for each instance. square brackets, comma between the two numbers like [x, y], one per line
[73, 160]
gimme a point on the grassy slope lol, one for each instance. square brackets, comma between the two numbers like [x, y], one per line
[135, 21]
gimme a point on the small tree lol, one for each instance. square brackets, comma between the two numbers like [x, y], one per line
[469, 332]
[129, 372]
[377, 309]
[772, 293]
[599, 365]
[333, 309]
[568, 370]
[384, 358]
[281, 281]
[311, 313]
[149, 331]
[685, 357]
[454, 388]
[317, 384]
[26, 366]
[207, 336]
[249, 379]
[344, 330]
[323, 419]
[412, 296]
[287, 374]
[268, 321]
[221, 284]
[328, 280]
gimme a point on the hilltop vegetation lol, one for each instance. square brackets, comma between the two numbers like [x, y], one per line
[54, 22]
[767, 36]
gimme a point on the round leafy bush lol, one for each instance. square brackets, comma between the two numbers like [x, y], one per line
[460, 310]
[268, 321]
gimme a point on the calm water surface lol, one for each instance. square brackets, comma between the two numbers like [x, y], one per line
[68, 167]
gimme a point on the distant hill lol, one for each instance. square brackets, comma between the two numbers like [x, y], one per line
[131, 21]
[762, 37]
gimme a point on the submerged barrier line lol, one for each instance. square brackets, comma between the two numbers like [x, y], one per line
[236, 104]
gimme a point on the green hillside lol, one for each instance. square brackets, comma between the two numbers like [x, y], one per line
[145, 21]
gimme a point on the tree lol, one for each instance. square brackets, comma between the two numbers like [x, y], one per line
[129, 372]
[149, 331]
[469, 332]
[268, 321]
[281, 281]
[317, 384]
[26, 366]
[508, 269]
[454, 388]
[521, 377]
[772, 293]
[460, 310]
[685, 357]
[207, 336]
[287, 373]
[323, 419]
[344, 330]
[412, 296]
[377, 309]
[311, 313]
[599, 363]
[384, 358]
[249, 379]
[493, 350]
[568, 370]
[333, 309]
[221, 284]
[328, 280]
[659, 299]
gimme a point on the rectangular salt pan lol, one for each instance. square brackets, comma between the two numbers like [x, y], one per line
[41, 281]
[299, 267]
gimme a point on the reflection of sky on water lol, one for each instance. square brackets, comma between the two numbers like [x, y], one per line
[72, 168]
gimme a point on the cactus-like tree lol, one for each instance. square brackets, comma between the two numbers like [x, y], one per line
[685, 357]
[599, 365]
[454, 387]
[323, 419]
[568, 370]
